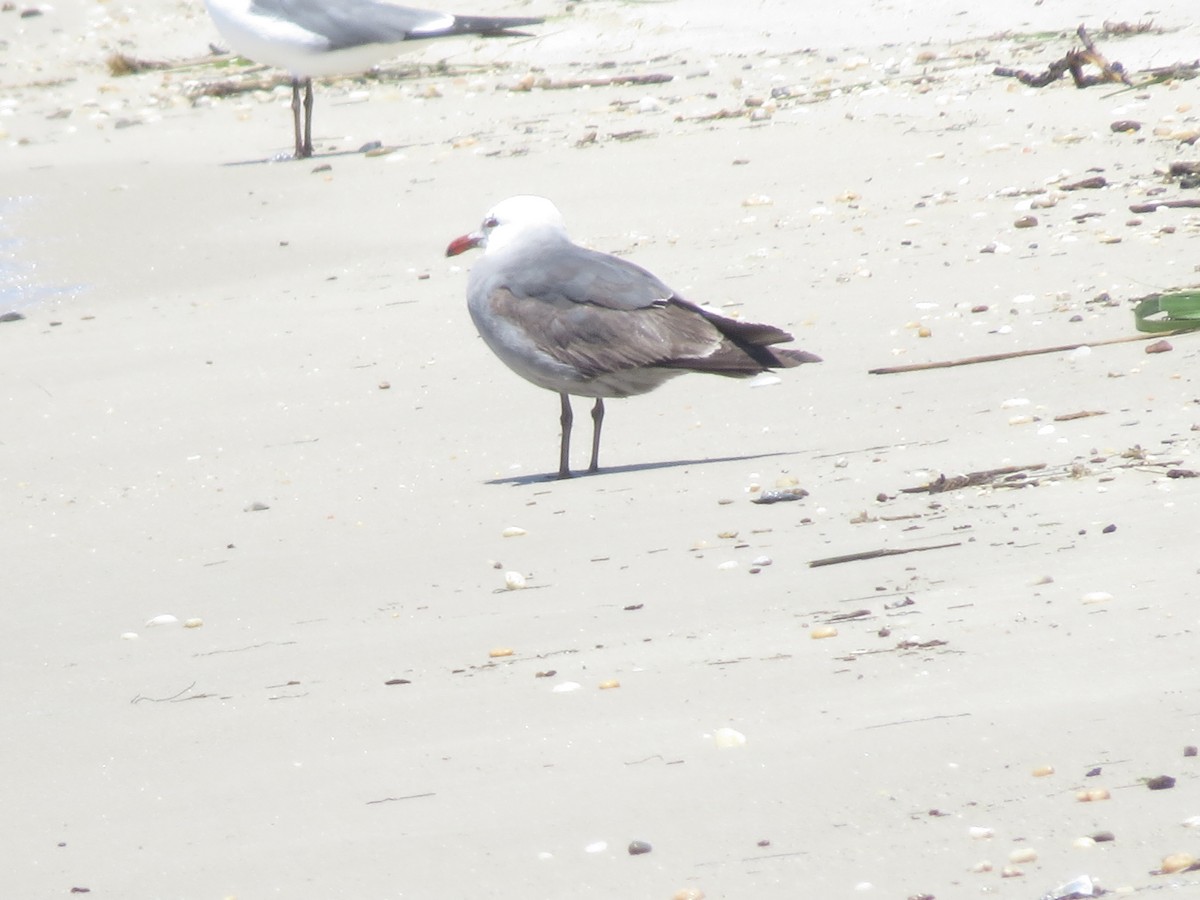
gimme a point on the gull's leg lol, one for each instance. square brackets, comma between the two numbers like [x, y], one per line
[564, 452]
[308, 105]
[597, 421]
[296, 117]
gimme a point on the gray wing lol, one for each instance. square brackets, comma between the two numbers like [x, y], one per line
[566, 274]
[352, 23]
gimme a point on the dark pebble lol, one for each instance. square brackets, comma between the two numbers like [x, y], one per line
[1102, 837]
[1189, 750]
[1109, 529]
[637, 848]
[1160, 783]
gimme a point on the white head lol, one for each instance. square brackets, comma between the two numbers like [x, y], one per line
[509, 220]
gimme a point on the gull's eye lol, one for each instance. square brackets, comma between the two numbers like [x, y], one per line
[490, 222]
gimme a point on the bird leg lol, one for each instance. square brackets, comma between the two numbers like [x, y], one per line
[597, 421]
[308, 105]
[304, 147]
[564, 453]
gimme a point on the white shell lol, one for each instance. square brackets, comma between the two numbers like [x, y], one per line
[566, 687]
[728, 737]
[133, 636]
[513, 531]
[596, 847]
[165, 619]
[514, 581]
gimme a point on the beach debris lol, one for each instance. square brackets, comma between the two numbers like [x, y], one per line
[499, 652]
[1016, 354]
[780, 496]
[513, 531]
[529, 82]
[637, 848]
[823, 631]
[609, 684]
[1011, 475]
[1177, 862]
[1073, 62]
[1083, 886]
[725, 738]
[1170, 312]
[1042, 771]
[876, 554]
[1092, 795]
[165, 619]
[514, 581]
[1160, 783]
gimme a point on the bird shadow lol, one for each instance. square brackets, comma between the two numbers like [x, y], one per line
[550, 477]
[285, 157]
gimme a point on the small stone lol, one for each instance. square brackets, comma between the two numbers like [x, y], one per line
[979, 308]
[1160, 783]
[637, 848]
[1103, 837]
[1189, 750]
[1026, 222]
[1177, 862]
[1159, 347]
[1023, 855]
[1042, 771]
[1125, 126]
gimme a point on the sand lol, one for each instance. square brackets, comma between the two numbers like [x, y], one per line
[247, 395]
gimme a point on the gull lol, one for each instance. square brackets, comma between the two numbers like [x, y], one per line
[336, 37]
[579, 322]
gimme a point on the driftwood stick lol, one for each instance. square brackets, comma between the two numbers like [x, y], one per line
[1169, 204]
[1015, 354]
[545, 84]
[875, 554]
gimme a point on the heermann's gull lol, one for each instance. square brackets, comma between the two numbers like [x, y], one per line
[576, 321]
[337, 37]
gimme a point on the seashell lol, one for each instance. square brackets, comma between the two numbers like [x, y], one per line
[596, 847]
[688, 894]
[609, 684]
[193, 623]
[1096, 597]
[1014, 402]
[924, 332]
[980, 833]
[1092, 795]
[513, 531]
[762, 560]
[1083, 843]
[1011, 872]
[1023, 855]
[513, 581]
[757, 200]
[1177, 862]
[498, 652]
[566, 687]
[982, 866]
[133, 636]
[1042, 771]
[728, 737]
[823, 631]
[165, 619]
[729, 564]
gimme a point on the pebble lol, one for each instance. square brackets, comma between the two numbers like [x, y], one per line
[1160, 783]
[1043, 771]
[1092, 795]
[728, 737]
[1159, 347]
[566, 687]
[1026, 222]
[133, 636]
[165, 619]
[1096, 597]
[980, 833]
[596, 847]
[1023, 855]
[609, 684]
[498, 652]
[637, 848]
[514, 581]
[193, 623]
[823, 631]
[513, 531]
[1177, 862]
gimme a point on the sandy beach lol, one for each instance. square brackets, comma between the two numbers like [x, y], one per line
[262, 483]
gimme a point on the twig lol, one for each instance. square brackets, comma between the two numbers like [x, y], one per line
[996, 357]
[916, 721]
[175, 696]
[394, 799]
[941, 484]
[1160, 204]
[875, 554]
[547, 84]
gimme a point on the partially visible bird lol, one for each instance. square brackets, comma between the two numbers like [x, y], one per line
[337, 37]
[577, 321]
